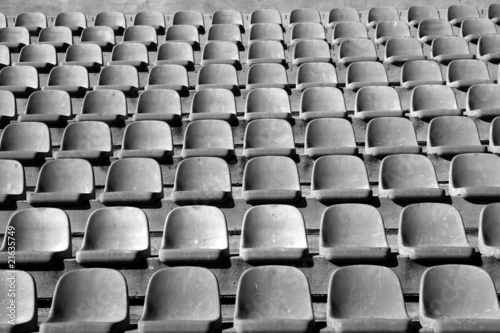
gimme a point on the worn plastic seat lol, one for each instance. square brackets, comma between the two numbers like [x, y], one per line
[4, 56]
[453, 136]
[114, 20]
[340, 178]
[25, 142]
[12, 182]
[86, 55]
[115, 235]
[20, 80]
[190, 17]
[42, 237]
[175, 53]
[417, 14]
[311, 75]
[429, 101]
[228, 16]
[221, 76]
[420, 72]
[329, 137]
[210, 137]
[133, 181]
[159, 104]
[26, 309]
[488, 48]
[225, 32]
[119, 77]
[184, 33]
[173, 77]
[78, 288]
[475, 304]
[429, 29]
[148, 138]
[170, 297]
[8, 107]
[456, 14]
[263, 103]
[59, 37]
[475, 176]
[63, 182]
[483, 100]
[73, 79]
[100, 35]
[348, 30]
[50, 107]
[366, 73]
[132, 54]
[266, 51]
[265, 15]
[33, 21]
[473, 29]
[390, 135]
[464, 73]
[109, 106]
[375, 102]
[307, 31]
[75, 21]
[388, 30]
[265, 76]
[350, 232]
[306, 51]
[43, 57]
[356, 50]
[322, 102]
[494, 146]
[380, 14]
[401, 50]
[259, 312]
[268, 137]
[488, 231]
[143, 34]
[271, 179]
[342, 14]
[151, 18]
[221, 52]
[366, 298]
[89, 140]
[15, 38]
[216, 103]
[446, 49]
[266, 31]
[202, 179]
[302, 15]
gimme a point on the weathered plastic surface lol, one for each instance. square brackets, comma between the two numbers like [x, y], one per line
[228, 16]
[307, 51]
[209, 137]
[430, 101]
[265, 76]
[43, 57]
[420, 72]
[114, 20]
[329, 137]
[216, 103]
[345, 30]
[190, 17]
[342, 14]
[76, 21]
[25, 142]
[446, 49]
[19, 80]
[159, 104]
[307, 31]
[376, 102]
[401, 50]
[131, 53]
[390, 135]
[101, 35]
[12, 182]
[268, 137]
[380, 14]
[357, 50]
[366, 73]
[266, 15]
[26, 310]
[301, 15]
[266, 31]
[488, 48]
[33, 21]
[175, 53]
[59, 37]
[152, 18]
[87, 55]
[417, 14]
[119, 77]
[225, 32]
[173, 77]
[73, 79]
[483, 100]
[456, 14]
[473, 29]
[184, 33]
[311, 75]
[8, 107]
[489, 233]
[429, 29]
[218, 76]
[464, 73]
[494, 146]
[108, 106]
[388, 30]
[266, 51]
[266, 103]
[149, 139]
[14, 37]
[453, 135]
[322, 102]
[220, 52]
[50, 107]
[145, 35]
[475, 176]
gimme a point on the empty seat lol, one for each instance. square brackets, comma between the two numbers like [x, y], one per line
[132, 54]
[475, 176]
[266, 51]
[12, 182]
[42, 237]
[225, 32]
[306, 51]
[190, 17]
[453, 136]
[3, 20]
[475, 304]
[33, 21]
[119, 77]
[388, 30]
[151, 18]
[133, 181]
[173, 77]
[159, 104]
[265, 76]
[59, 37]
[390, 135]
[8, 107]
[429, 29]
[75, 21]
[380, 14]
[202, 179]
[351, 232]
[73, 79]
[184, 33]
[24, 302]
[15, 38]
[109, 106]
[473, 29]
[266, 15]
[25, 142]
[40, 56]
[257, 312]
[273, 233]
[340, 178]
[63, 182]
[114, 20]
[194, 234]
[456, 14]
[420, 72]
[210, 137]
[464, 73]
[86, 55]
[115, 235]
[265, 31]
[89, 140]
[268, 137]
[4, 56]
[342, 14]
[429, 101]
[50, 107]
[400, 50]
[175, 53]
[218, 76]
[494, 146]
[301, 15]
[307, 31]
[375, 102]
[99, 35]
[20, 80]
[356, 50]
[221, 52]
[488, 231]
[417, 14]
[488, 48]
[228, 16]
[79, 288]
[446, 49]
[322, 102]
[214, 103]
[483, 100]
[170, 297]
[366, 298]
[148, 138]
[369, 73]
[494, 12]
[271, 179]
[329, 137]
[143, 34]
[348, 30]
[265, 103]
[316, 75]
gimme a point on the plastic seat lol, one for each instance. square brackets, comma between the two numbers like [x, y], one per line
[267, 103]
[417, 14]
[342, 14]
[306, 51]
[350, 232]
[228, 16]
[25, 306]
[132, 54]
[210, 137]
[114, 20]
[266, 31]
[143, 34]
[42, 237]
[152, 18]
[133, 181]
[494, 146]
[15, 38]
[475, 304]
[473, 29]
[50, 107]
[12, 182]
[307, 31]
[225, 32]
[173, 77]
[494, 12]
[456, 14]
[33, 21]
[483, 100]
[268, 137]
[75, 21]
[258, 312]
[119, 77]
[3, 20]
[218, 76]
[148, 138]
[266, 15]
[63, 182]
[340, 178]
[380, 14]
[72, 79]
[273, 233]
[170, 296]
[429, 101]
[356, 50]
[369, 73]
[20, 80]
[59, 37]
[89, 140]
[401, 50]
[320, 74]
[348, 30]
[214, 103]
[190, 17]
[175, 53]
[78, 288]
[302, 15]
[4, 56]
[375, 102]
[488, 231]
[265, 76]
[8, 107]
[446, 49]
[151, 106]
[366, 298]
[390, 135]
[271, 179]
[221, 53]
[420, 72]
[184, 33]
[488, 48]
[322, 102]
[43, 57]
[453, 136]
[202, 179]
[25, 142]
[475, 176]
[329, 137]
[109, 106]
[388, 30]
[86, 55]
[115, 235]
[266, 51]
[429, 29]
[464, 73]
[100, 35]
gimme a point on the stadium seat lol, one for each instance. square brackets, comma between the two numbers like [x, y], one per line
[133, 181]
[488, 48]
[154, 19]
[473, 29]
[329, 137]
[15, 38]
[366, 73]
[484, 100]
[72, 79]
[12, 182]
[429, 101]
[228, 16]
[494, 146]
[265, 15]
[170, 297]
[33, 21]
[307, 31]
[417, 14]
[86, 55]
[210, 137]
[306, 51]
[265, 31]
[265, 76]
[488, 231]
[346, 30]
[184, 33]
[429, 29]
[273, 233]
[456, 14]
[266, 51]
[75, 21]
[221, 52]
[63, 182]
[175, 53]
[342, 14]
[89, 140]
[462, 74]
[131, 54]
[375, 102]
[475, 176]
[351, 232]
[59, 37]
[388, 30]
[42, 237]
[357, 50]
[401, 50]
[115, 235]
[119, 77]
[322, 102]
[143, 34]
[268, 137]
[302, 15]
[420, 72]
[43, 57]
[271, 179]
[51, 107]
[100, 35]
[390, 135]
[173, 77]
[366, 298]
[453, 135]
[340, 178]
[77, 289]
[314, 74]
[109, 106]
[151, 106]
[19, 80]
[494, 12]
[114, 20]
[202, 179]
[25, 142]
[225, 32]
[26, 309]
[264, 103]
[380, 14]
[259, 312]
[148, 138]
[214, 103]
[194, 234]
[8, 107]
[190, 17]
[3, 20]
[221, 76]
[4, 56]
[446, 49]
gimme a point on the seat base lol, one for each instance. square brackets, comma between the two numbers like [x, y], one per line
[56, 198]
[438, 252]
[179, 326]
[343, 194]
[183, 255]
[273, 254]
[92, 257]
[375, 325]
[271, 195]
[205, 197]
[129, 197]
[323, 151]
[348, 253]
